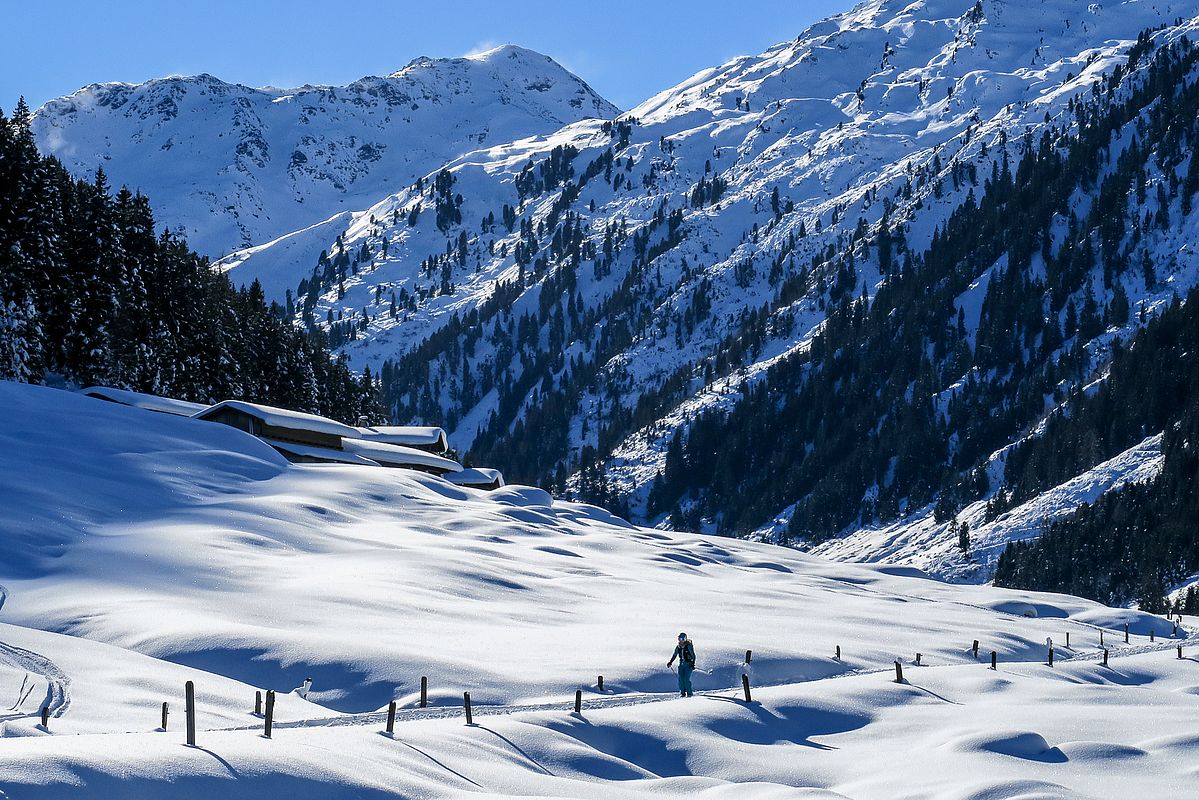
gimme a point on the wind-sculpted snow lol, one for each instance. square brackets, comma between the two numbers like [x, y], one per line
[233, 166]
[146, 550]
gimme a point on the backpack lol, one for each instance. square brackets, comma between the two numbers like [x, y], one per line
[687, 653]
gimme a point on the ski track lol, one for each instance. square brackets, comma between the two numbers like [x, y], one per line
[636, 699]
[58, 683]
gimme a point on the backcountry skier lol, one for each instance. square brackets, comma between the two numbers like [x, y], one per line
[684, 651]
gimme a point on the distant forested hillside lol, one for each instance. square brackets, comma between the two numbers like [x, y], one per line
[89, 291]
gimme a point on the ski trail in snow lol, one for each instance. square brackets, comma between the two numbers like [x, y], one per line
[636, 699]
[58, 683]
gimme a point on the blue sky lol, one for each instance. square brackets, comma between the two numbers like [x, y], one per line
[626, 50]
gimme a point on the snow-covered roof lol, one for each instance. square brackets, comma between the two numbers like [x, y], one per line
[150, 402]
[323, 453]
[477, 476]
[409, 435]
[399, 456]
[282, 418]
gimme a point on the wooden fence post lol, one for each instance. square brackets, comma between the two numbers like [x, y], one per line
[1180, 651]
[258, 703]
[1051, 656]
[165, 713]
[391, 717]
[994, 660]
[1067, 640]
[1125, 633]
[1151, 639]
[749, 656]
[46, 717]
[270, 712]
[1105, 656]
[838, 655]
[424, 691]
[578, 701]
[189, 709]
[974, 649]
[1101, 637]
[600, 682]
[898, 671]
[466, 705]
[918, 659]
[745, 687]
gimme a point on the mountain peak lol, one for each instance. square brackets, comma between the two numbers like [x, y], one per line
[288, 158]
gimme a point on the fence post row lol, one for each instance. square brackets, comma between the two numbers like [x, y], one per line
[189, 708]
[190, 691]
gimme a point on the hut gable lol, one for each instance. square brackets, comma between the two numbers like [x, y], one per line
[280, 424]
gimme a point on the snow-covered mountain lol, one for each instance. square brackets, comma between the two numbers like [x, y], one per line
[143, 550]
[570, 303]
[609, 282]
[233, 166]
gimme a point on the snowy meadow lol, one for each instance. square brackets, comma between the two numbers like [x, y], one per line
[141, 551]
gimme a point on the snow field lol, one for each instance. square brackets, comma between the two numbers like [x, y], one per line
[955, 732]
[141, 551]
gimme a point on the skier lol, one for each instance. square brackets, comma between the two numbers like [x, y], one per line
[684, 651]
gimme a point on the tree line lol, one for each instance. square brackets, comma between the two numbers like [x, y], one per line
[91, 293]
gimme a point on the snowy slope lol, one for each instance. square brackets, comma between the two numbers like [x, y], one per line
[924, 543]
[183, 546]
[233, 166]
